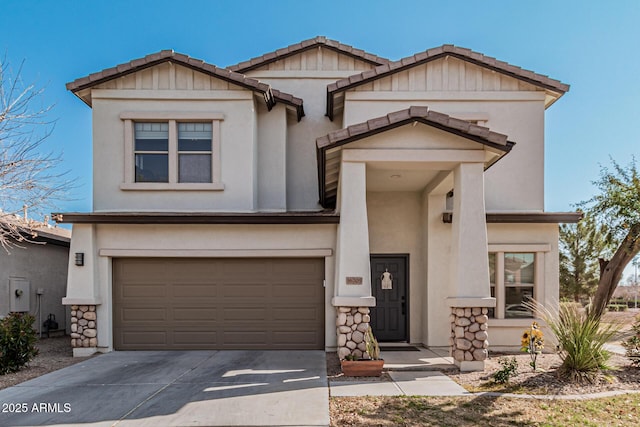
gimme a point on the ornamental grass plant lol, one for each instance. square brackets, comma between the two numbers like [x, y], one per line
[581, 340]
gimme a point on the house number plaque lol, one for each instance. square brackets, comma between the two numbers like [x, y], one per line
[353, 280]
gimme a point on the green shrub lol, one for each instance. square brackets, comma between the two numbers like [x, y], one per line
[509, 369]
[617, 307]
[633, 344]
[17, 342]
[581, 339]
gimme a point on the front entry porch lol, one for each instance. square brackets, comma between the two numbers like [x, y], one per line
[392, 190]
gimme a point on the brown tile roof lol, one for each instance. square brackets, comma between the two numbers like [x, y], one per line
[480, 134]
[270, 95]
[436, 53]
[293, 49]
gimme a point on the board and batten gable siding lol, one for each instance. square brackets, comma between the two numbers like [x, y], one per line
[317, 59]
[447, 74]
[168, 76]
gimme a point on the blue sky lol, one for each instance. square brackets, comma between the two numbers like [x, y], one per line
[591, 45]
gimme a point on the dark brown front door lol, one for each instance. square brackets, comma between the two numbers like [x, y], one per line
[389, 316]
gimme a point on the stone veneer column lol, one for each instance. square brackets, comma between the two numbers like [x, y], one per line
[469, 336]
[352, 324]
[83, 326]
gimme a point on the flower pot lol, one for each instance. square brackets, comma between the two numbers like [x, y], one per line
[362, 368]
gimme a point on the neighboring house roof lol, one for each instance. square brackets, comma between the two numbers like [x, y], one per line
[294, 49]
[291, 217]
[336, 139]
[464, 54]
[27, 230]
[271, 97]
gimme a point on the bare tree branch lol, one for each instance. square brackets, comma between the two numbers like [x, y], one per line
[29, 174]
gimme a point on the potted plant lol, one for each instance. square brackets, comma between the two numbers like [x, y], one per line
[371, 367]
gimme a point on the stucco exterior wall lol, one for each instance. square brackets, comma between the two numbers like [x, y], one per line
[306, 76]
[44, 266]
[272, 159]
[395, 228]
[516, 182]
[238, 152]
[103, 242]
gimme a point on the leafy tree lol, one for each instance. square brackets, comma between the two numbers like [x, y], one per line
[581, 245]
[29, 176]
[617, 208]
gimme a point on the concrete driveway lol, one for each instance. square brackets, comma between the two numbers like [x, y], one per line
[176, 388]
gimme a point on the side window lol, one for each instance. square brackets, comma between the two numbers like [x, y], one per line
[519, 274]
[151, 152]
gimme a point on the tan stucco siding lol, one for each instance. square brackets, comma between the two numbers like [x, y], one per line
[272, 157]
[447, 74]
[101, 243]
[302, 174]
[238, 152]
[515, 182]
[395, 228]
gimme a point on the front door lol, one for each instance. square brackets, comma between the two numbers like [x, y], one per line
[389, 283]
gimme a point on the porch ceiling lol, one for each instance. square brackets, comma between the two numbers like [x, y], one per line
[380, 178]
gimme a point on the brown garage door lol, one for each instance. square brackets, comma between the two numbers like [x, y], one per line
[258, 303]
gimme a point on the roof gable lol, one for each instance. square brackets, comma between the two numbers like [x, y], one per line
[229, 78]
[329, 158]
[336, 90]
[359, 59]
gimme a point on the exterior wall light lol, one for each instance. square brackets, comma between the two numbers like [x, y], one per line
[80, 259]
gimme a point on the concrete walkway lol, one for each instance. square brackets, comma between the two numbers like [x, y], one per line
[413, 373]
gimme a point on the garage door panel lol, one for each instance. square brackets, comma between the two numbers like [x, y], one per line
[308, 315]
[148, 290]
[244, 291]
[144, 339]
[218, 304]
[194, 290]
[194, 314]
[244, 314]
[136, 314]
[295, 338]
[196, 339]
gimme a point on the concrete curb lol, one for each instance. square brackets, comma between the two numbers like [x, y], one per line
[590, 396]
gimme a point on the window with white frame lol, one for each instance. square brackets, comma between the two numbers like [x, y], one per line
[516, 278]
[172, 151]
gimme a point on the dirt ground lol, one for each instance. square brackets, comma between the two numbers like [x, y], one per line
[54, 353]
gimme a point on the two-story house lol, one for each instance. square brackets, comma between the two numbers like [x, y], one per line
[292, 200]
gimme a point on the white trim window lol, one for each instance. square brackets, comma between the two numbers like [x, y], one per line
[516, 275]
[172, 151]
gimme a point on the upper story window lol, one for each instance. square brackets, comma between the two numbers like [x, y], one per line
[172, 151]
[152, 152]
[194, 152]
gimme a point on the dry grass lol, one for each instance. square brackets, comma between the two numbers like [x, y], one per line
[483, 411]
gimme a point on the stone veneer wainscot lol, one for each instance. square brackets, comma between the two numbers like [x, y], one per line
[352, 324]
[83, 326]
